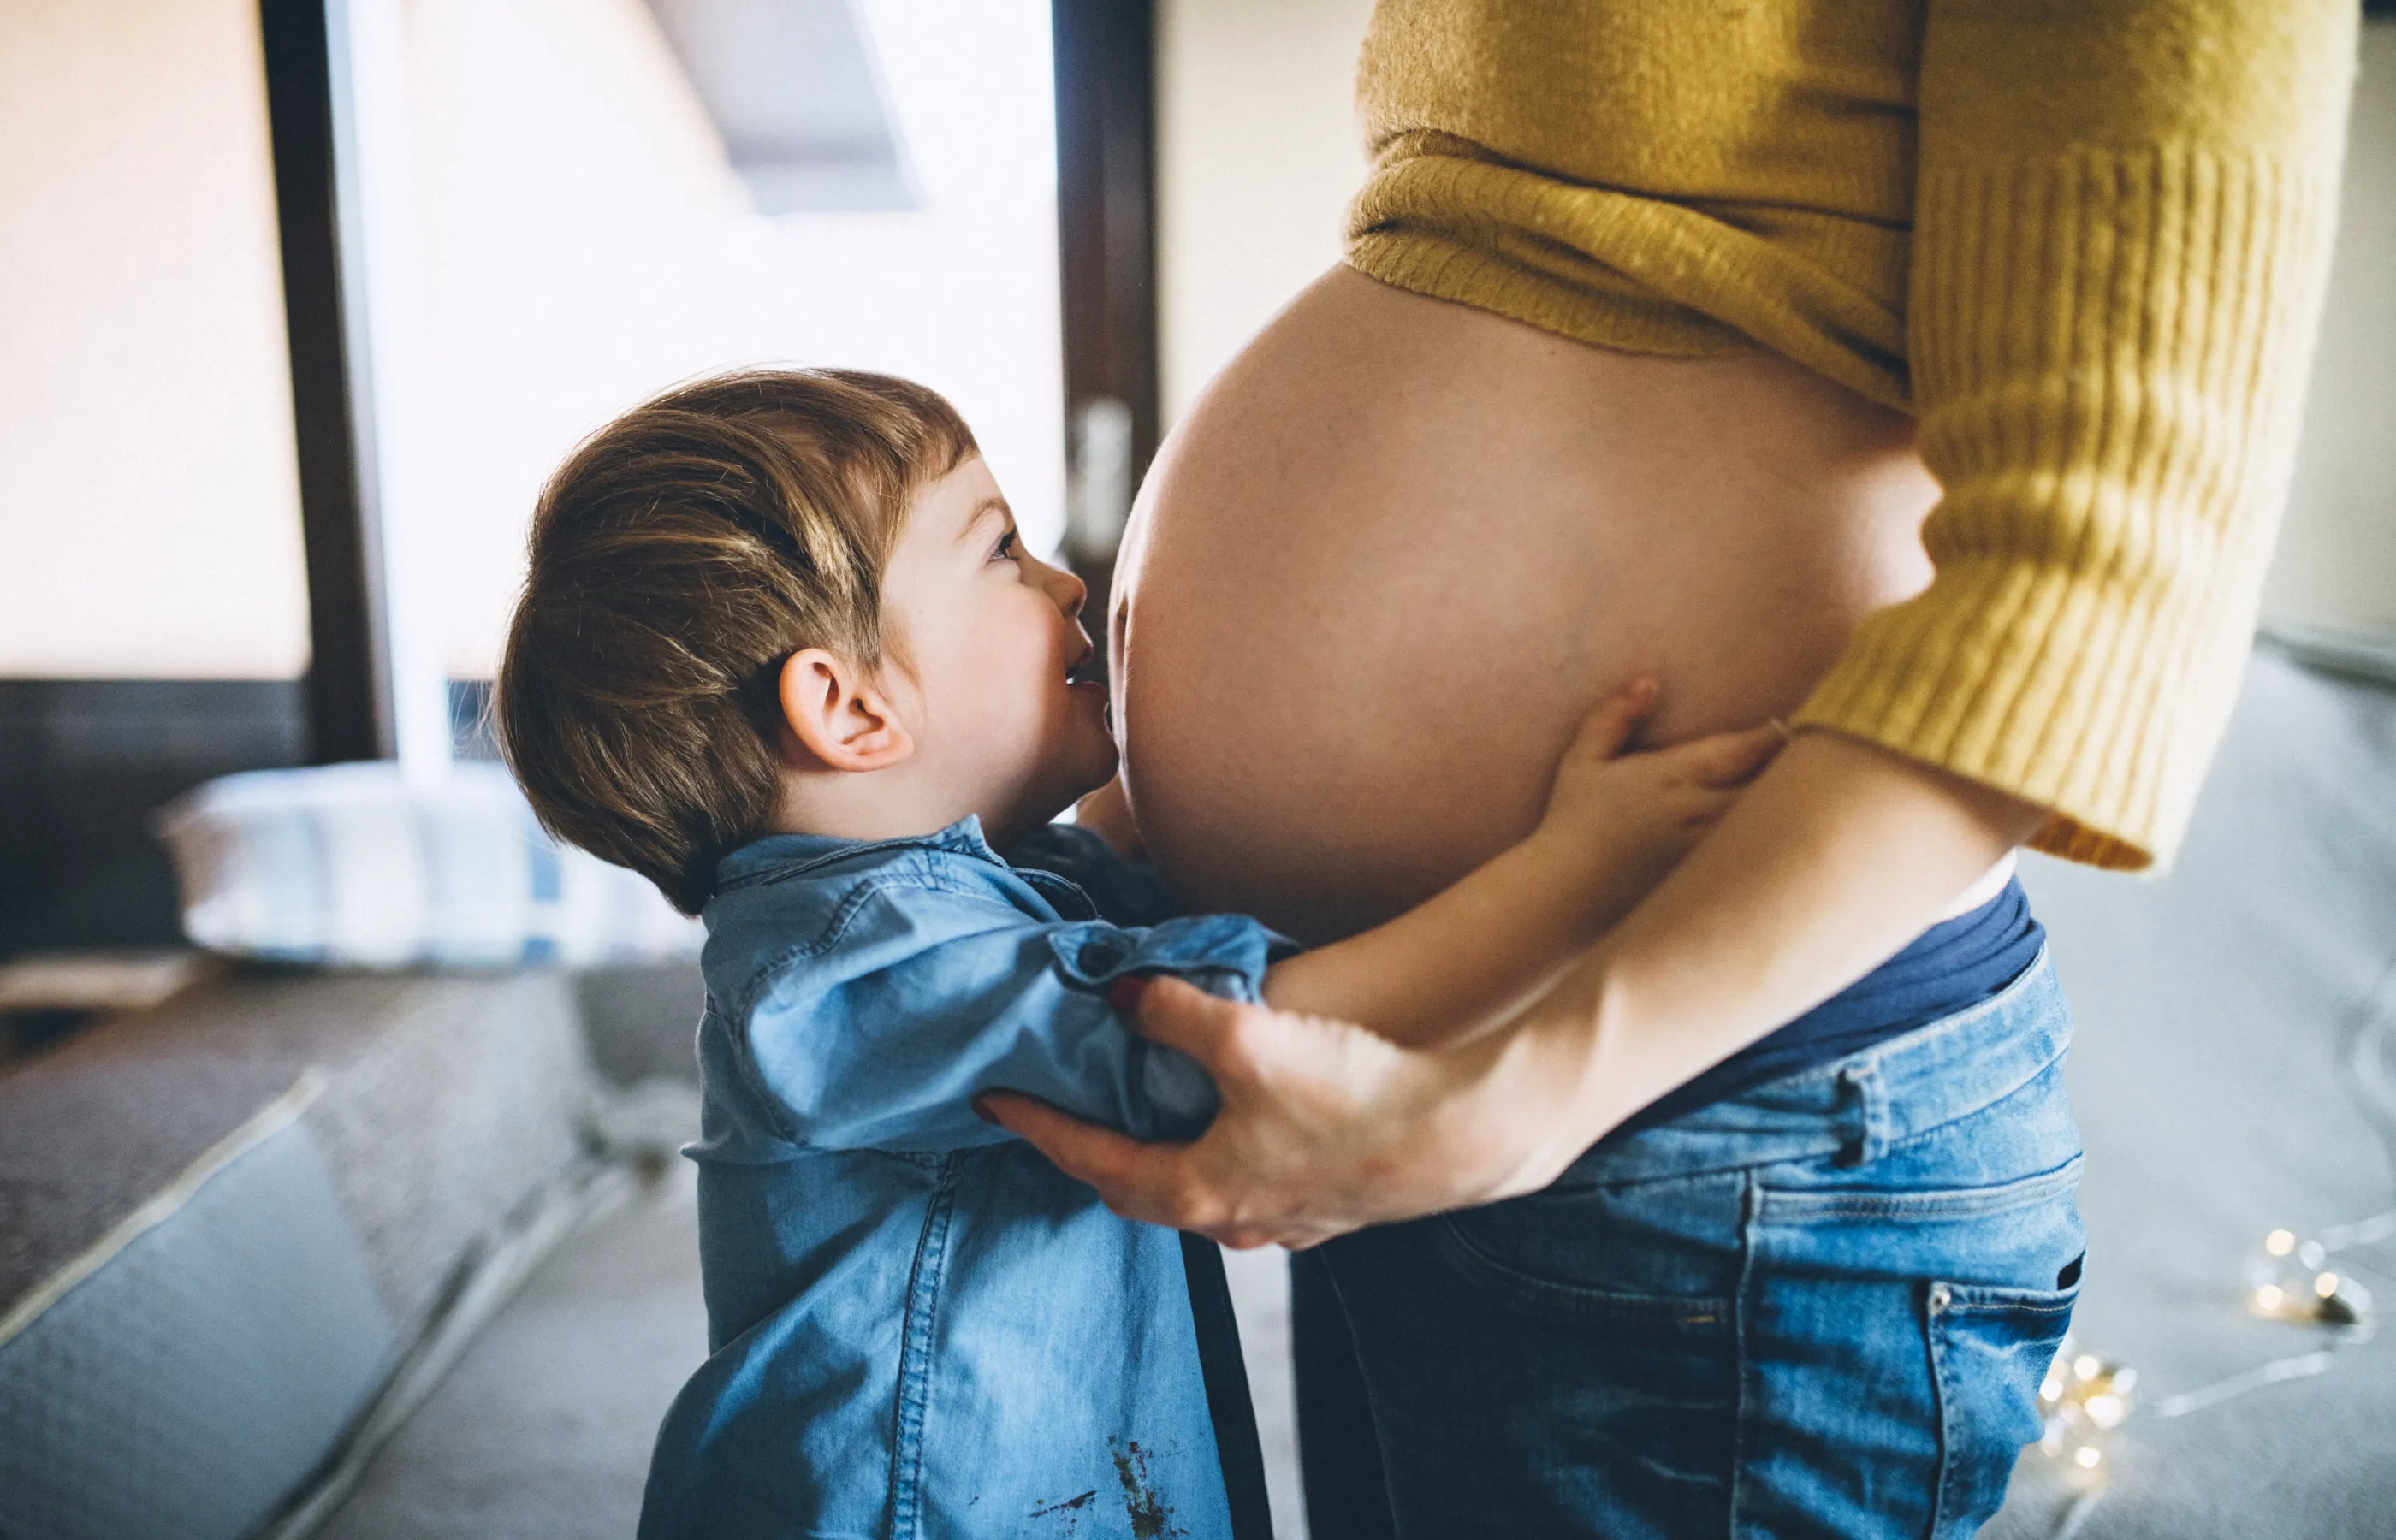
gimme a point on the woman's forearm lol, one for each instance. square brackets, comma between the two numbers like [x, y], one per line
[1837, 855]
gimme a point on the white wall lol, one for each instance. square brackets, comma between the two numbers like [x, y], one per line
[149, 502]
[2337, 566]
[1256, 158]
[580, 243]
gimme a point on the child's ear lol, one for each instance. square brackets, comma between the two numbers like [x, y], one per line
[838, 711]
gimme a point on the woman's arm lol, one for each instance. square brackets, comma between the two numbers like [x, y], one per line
[2121, 226]
[1835, 857]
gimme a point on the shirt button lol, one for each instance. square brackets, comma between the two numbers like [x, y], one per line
[1097, 956]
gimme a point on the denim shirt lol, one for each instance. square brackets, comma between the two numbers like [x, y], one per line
[916, 1326]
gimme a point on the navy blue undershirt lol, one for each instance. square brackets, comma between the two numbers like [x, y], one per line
[1952, 966]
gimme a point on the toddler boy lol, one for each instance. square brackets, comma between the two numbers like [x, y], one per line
[781, 651]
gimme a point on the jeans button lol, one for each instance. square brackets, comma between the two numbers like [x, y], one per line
[1097, 956]
[1940, 1297]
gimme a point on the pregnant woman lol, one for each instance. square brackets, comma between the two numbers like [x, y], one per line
[1924, 375]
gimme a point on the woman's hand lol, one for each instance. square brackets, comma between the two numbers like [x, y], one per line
[1325, 1128]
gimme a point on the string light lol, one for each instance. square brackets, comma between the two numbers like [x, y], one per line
[2289, 1278]
[2084, 1397]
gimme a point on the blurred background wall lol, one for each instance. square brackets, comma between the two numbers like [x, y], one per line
[580, 241]
[555, 232]
[2337, 566]
[1256, 157]
[149, 503]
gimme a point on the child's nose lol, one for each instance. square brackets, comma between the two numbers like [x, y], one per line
[1068, 592]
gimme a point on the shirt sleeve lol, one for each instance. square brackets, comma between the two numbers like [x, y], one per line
[882, 1041]
[2122, 219]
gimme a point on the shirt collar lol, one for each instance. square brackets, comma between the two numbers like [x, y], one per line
[780, 855]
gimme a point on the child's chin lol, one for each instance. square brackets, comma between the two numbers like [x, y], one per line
[1093, 765]
[1094, 743]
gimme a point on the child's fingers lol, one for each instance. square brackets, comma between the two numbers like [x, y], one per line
[1607, 729]
[1733, 759]
[1700, 807]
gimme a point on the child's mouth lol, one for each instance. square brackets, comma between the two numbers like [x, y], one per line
[1085, 669]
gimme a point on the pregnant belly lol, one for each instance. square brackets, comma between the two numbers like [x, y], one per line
[1384, 565]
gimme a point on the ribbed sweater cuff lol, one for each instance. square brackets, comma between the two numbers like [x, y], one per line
[2109, 352]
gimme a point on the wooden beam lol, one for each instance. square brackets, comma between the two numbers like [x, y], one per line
[349, 685]
[1106, 217]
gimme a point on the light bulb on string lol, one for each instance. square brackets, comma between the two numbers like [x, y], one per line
[2290, 1277]
[2083, 1398]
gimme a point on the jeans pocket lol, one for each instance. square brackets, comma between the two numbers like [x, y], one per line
[1619, 1408]
[1573, 1302]
[1989, 1351]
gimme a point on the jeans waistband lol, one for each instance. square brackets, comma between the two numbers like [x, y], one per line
[1856, 1108]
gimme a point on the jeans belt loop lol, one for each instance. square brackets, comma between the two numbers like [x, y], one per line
[1862, 1115]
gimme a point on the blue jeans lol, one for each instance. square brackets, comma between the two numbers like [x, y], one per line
[1821, 1307]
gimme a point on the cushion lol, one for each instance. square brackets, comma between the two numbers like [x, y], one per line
[359, 866]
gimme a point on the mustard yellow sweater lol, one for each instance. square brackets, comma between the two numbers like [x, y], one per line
[2083, 241]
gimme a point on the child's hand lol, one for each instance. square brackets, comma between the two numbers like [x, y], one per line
[1631, 817]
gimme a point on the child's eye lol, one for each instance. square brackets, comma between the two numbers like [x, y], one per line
[1004, 550]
